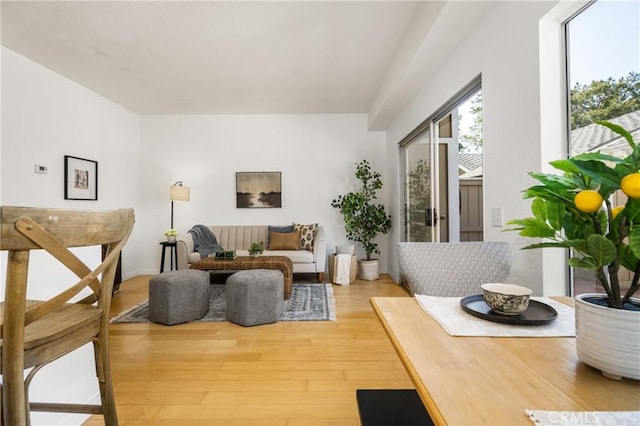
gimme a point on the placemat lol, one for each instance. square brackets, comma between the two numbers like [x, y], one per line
[448, 312]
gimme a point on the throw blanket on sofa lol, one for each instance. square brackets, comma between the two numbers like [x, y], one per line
[204, 241]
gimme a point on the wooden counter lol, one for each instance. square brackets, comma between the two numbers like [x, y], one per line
[492, 380]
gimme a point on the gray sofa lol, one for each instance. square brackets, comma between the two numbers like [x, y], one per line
[240, 237]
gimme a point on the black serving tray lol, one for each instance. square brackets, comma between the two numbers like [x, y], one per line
[537, 313]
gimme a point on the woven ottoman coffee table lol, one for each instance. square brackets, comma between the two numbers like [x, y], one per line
[254, 296]
[180, 296]
[281, 263]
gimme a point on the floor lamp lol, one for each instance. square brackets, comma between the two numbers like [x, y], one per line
[178, 192]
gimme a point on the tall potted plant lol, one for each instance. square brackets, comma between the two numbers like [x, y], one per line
[363, 218]
[574, 211]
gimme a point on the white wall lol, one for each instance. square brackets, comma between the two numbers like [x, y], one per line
[315, 153]
[503, 47]
[44, 117]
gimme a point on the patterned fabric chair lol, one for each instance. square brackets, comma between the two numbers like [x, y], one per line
[453, 269]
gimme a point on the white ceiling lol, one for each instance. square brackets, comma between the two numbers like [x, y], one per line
[212, 57]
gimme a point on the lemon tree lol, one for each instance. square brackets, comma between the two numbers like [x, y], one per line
[567, 213]
[630, 185]
[588, 201]
[616, 210]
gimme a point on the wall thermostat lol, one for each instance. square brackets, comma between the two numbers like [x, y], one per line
[39, 168]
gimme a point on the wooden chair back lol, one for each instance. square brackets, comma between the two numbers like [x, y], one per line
[35, 333]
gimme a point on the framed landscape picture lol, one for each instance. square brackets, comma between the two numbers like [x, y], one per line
[80, 178]
[258, 190]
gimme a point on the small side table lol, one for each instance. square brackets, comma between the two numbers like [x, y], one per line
[173, 254]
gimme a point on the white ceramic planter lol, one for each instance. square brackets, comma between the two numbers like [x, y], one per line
[171, 239]
[608, 339]
[369, 270]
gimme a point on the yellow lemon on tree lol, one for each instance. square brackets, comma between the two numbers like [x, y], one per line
[615, 211]
[630, 185]
[588, 201]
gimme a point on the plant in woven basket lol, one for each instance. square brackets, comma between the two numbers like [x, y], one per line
[573, 211]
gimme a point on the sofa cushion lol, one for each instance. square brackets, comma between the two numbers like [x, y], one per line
[284, 241]
[282, 229]
[296, 256]
[239, 237]
[307, 233]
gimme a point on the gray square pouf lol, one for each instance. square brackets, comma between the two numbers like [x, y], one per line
[178, 296]
[255, 296]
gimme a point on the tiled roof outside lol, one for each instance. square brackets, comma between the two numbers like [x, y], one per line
[473, 174]
[595, 137]
[469, 162]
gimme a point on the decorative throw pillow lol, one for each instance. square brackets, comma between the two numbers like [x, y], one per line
[284, 241]
[282, 229]
[307, 233]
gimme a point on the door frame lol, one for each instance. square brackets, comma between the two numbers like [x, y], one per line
[430, 125]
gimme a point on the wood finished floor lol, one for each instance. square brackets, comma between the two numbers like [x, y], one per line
[283, 374]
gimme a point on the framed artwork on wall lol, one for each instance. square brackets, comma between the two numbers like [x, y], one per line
[80, 178]
[258, 190]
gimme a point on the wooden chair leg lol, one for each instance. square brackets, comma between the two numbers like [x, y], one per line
[108, 402]
[319, 277]
[15, 409]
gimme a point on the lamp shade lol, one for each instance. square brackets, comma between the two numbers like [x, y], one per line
[178, 192]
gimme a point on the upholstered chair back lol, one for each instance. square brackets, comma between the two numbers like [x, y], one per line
[453, 269]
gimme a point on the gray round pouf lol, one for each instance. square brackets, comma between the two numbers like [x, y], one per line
[255, 296]
[178, 296]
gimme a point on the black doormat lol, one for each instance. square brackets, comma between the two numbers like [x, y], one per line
[391, 407]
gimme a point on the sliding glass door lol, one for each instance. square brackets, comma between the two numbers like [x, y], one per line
[420, 216]
[432, 172]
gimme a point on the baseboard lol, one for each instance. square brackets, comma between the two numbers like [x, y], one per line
[73, 419]
[139, 272]
[76, 419]
[395, 277]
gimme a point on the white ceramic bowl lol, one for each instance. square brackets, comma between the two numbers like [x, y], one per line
[508, 299]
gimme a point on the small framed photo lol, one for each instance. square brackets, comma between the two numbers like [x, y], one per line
[80, 178]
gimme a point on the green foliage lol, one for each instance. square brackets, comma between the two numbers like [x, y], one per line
[419, 184]
[364, 219]
[256, 248]
[599, 241]
[601, 100]
[472, 142]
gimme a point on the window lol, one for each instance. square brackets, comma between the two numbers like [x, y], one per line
[441, 169]
[603, 63]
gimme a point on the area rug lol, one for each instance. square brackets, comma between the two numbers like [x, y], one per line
[308, 302]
